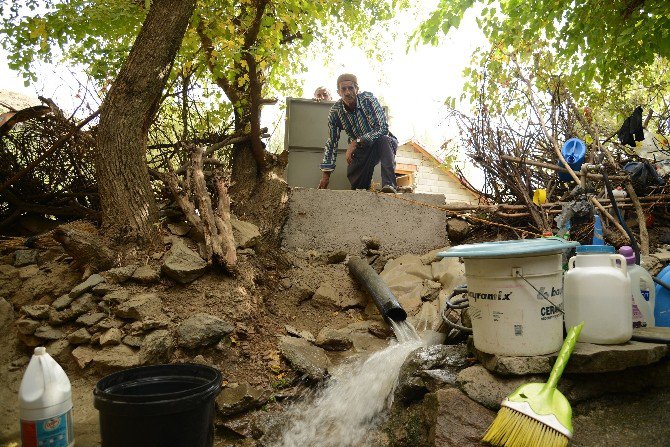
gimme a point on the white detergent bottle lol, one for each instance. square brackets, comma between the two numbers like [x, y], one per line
[643, 290]
[597, 292]
[45, 398]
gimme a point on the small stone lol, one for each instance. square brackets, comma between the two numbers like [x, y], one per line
[62, 302]
[246, 234]
[25, 257]
[146, 274]
[28, 272]
[108, 323]
[307, 335]
[179, 229]
[27, 326]
[117, 296]
[111, 337]
[140, 306]
[57, 318]
[87, 285]
[238, 398]
[286, 283]
[183, 264]
[90, 319]
[103, 289]
[371, 243]
[156, 348]
[202, 330]
[333, 340]
[457, 229]
[337, 257]
[83, 355]
[133, 341]
[305, 357]
[119, 274]
[115, 358]
[59, 350]
[83, 304]
[79, 337]
[48, 333]
[36, 311]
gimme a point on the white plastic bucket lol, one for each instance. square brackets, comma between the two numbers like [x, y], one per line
[509, 316]
[45, 399]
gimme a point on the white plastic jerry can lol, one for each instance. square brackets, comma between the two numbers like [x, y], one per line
[597, 291]
[45, 398]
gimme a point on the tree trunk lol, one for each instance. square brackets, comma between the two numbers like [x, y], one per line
[128, 205]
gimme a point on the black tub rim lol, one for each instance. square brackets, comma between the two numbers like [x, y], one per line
[105, 400]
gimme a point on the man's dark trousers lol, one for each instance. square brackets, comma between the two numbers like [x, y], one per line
[365, 158]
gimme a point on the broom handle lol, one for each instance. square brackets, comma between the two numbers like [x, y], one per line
[564, 355]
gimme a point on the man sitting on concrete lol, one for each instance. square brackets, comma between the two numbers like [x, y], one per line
[361, 116]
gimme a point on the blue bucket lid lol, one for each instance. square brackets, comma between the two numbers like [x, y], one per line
[595, 249]
[510, 249]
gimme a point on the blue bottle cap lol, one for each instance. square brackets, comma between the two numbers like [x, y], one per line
[595, 249]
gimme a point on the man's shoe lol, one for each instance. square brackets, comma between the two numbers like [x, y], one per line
[389, 189]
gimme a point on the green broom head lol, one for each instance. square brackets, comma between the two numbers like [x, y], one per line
[535, 407]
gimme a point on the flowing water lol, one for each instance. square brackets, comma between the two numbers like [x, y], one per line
[353, 401]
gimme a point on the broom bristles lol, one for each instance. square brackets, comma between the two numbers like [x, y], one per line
[511, 428]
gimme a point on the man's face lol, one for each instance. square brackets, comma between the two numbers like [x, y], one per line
[348, 91]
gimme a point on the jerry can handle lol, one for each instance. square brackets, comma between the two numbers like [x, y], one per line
[571, 262]
[619, 262]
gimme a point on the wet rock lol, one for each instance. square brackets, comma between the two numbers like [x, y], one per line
[62, 302]
[91, 319]
[79, 337]
[428, 369]
[6, 313]
[120, 274]
[327, 296]
[586, 358]
[202, 330]
[26, 326]
[305, 357]
[458, 421]
[183, 264]
[87, 285]
[246, 234]
[376, 328]
[133, 341]
[366, 342]
[139, 307]
[111, 337]
[336, 257]
[83, 355]
[115, 358]
[238, 398]
[307, 335]
[59, 350]
[48, 333]
[179, 228]
[36, 311]
[157, 347]
[25, 257]
[146, 274]
[333, 340]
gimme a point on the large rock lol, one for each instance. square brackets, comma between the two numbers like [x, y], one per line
[48, 333]
[140, 307]
[27, 326]
[62, 302]
[428, 369]
[305, 357]
[84, 355]
[156, 347]
[246, 234]
[91, 319]
[87, 285]
[25, 257]
[183, 264]
[36, 311]
[146, 274]
[79, 337]
[586, 358]
[240, 397]
[115, 358]
[458, 420]
[457, 229]
[201, 330]
[487, 389]
[111, 337]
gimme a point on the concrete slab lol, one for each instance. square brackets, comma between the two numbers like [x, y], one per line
[329, 220]
[586, 358]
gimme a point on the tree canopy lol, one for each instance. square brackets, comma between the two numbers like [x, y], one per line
[593, 45]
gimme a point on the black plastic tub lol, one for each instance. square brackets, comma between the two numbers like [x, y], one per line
[158, 406]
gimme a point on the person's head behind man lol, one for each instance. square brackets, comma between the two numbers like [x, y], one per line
[322, 94]
[347, 88]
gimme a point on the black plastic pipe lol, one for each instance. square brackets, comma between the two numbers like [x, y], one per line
[381, 294]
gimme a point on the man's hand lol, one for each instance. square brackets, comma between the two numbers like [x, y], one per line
[350, 151]
[325, 179]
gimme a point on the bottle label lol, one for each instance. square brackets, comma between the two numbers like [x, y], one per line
[645, 294]
[638, 318]
[51, 432]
